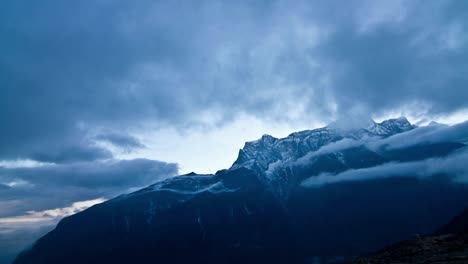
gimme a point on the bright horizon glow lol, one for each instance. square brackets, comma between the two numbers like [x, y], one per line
[51, 215]
[206, 151]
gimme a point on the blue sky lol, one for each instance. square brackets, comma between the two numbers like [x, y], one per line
[102, 97]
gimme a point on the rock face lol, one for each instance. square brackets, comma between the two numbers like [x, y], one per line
[259, 154]
[273, 159]
[258, 212]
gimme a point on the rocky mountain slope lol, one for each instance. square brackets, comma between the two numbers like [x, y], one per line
[450, 249]
[260, 154]
[449, 245]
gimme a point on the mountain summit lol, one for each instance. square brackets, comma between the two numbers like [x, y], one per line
[259, 154]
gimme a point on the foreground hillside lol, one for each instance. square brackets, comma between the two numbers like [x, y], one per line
[449, 245]
[450, 249]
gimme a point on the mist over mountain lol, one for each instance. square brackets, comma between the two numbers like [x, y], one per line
[320, 195]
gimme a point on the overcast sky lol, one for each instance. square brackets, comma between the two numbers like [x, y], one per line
[101, 97]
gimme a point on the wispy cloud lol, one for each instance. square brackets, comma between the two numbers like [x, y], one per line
[22, 163]
[50, 186]
[453, 166]
[18, 232]
[330, 148]
[425, 135]
[49, 215]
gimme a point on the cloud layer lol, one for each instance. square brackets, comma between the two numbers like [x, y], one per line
[53, 186]
[35, 196]
[453, 165]
[70, 71]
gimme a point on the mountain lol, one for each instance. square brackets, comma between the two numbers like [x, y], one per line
[259, 210]
[259, 154]
[189, 218]
[272, 158]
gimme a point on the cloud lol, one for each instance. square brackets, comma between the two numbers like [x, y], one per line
[73, 153]
[22, 163]
[400, 61]
[35, 196]
[434, 133]
[18, 232]
[70, 71]
[373, 14]
[51, 186]
[431, 134]
[49, 215]
[330, 148]
[125, 142]
[14, 240]
[453, 165]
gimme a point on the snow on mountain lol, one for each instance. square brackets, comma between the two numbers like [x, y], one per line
[270, 156]
[390, 127]
[189, 184]
[259, 154]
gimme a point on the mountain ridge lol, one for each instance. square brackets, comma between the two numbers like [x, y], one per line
[256, 213]
[290, 147]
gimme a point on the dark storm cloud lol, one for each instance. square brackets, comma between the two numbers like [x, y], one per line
[72, 153]
[123, 141]
[422, 59]
[69, 69]
[54, 186]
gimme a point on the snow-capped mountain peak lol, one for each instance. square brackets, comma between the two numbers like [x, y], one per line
[259, 154]
[390, 127]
